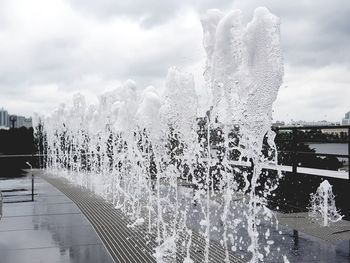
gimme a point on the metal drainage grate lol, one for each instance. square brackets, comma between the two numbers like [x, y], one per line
[125, 244]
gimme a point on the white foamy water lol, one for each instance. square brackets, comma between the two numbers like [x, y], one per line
[135, 149]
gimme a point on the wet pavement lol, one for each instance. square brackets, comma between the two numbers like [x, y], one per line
[53, 229]
[49, 229]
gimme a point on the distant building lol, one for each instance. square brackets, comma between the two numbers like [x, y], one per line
[335, 131]
[278, 124]
[314, 123]
[8, 121]
[28, 122]
[346, 120]
[21, 121]
[4, 119]
[13, 121]
[347, 115]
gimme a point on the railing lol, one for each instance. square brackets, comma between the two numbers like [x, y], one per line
[295, 154]
[9, 193]
[294, 140]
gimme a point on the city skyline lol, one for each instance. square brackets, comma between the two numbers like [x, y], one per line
[52, 50]
[13, 120]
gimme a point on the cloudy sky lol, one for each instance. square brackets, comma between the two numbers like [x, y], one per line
[52, 49]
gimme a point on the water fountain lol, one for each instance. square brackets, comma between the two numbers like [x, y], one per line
[322, 207]
[138, 149]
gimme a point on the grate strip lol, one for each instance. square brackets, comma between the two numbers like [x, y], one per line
[125, 244]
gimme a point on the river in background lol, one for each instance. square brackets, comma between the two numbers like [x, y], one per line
[331, 148]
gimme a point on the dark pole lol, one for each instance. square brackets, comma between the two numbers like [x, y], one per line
[294, 151]
[349, 152]
[32, 187]
[296, 239]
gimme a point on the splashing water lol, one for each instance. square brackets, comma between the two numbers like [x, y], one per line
[171, 172]
[322, 207]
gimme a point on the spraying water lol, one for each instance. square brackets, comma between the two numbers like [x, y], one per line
[168, 170]
[322, 207]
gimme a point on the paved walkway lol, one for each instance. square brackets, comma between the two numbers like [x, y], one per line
[62, 222]
[302, 222]
[126, 244]
[50, 229]
[66, 223]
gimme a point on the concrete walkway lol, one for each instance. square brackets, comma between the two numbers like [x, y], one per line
[66, 223]
[50, 229]
[62, 222]
[127, 244]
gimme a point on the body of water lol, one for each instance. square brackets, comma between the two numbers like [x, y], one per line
[330, 148]
[333, 148]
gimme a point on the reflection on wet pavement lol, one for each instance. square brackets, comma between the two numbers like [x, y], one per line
[50, 229]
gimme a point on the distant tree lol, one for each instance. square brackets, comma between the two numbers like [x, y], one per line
[15, 142]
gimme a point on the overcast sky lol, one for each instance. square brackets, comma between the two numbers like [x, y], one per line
[51, 49]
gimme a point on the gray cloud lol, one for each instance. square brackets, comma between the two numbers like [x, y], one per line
[313, 33]
[84, 45]
[149, 13]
